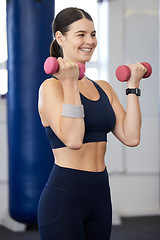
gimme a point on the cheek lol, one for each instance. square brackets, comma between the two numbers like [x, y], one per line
[96, 42]
[75, 44]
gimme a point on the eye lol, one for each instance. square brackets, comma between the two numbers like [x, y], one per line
[81, 35]
[93, 34]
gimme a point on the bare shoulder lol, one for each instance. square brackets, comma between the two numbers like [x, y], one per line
[51, 87]
[50, 83]
[106, 88]
[50, 92]
[105, 85]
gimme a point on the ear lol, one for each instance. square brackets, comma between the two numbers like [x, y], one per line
[59, 37]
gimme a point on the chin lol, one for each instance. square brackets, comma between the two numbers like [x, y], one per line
[84, 59]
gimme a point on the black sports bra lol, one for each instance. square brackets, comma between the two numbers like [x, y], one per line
[99, 120]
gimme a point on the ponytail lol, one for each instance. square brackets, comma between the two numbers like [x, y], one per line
[55, 50]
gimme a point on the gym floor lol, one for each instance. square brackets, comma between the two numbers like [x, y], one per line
[139, 228]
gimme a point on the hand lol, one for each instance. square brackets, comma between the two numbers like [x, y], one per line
[137, 72]
[68, 72]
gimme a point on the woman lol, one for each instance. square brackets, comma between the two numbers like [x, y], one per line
[77, 115]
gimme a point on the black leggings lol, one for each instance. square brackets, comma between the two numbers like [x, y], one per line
[75, 205]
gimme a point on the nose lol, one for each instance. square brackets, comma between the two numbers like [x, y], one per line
[90, 39]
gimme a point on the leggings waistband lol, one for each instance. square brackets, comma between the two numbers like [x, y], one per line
[79, 180]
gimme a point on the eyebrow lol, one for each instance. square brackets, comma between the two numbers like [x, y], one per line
[82, 31]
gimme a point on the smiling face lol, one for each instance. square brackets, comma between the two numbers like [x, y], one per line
[79, 42]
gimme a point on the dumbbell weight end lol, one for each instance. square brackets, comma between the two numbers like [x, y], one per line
[51, 65]
[123, 73]
[149, 69]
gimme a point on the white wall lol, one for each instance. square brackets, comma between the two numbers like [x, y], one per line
[3, 160]
[134, 172]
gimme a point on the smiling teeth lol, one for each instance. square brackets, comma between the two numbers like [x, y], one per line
[86, 49]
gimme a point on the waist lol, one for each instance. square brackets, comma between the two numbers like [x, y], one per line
[90, 157]
[79, 180]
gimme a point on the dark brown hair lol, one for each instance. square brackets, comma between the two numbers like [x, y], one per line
[62, 22]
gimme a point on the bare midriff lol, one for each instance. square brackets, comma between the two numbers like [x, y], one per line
[89, 158]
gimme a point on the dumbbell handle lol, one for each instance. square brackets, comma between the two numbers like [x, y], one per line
[123, 72]
[51, 66]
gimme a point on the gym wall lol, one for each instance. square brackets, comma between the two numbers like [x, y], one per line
[134, 172]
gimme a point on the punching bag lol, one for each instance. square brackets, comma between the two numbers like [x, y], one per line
[30, 158]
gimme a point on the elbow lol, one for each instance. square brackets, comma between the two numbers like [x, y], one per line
[73, 142]
[134, 142]
[137, 142]
[74, 145]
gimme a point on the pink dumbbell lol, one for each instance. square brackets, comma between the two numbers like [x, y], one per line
[123, 72]
[51, 66]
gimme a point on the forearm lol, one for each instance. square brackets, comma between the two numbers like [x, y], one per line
[132, 120]
[72, 129]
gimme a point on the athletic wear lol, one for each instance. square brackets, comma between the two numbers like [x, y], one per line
[99, 120]
[75, 205]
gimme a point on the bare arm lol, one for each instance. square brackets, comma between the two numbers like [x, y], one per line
[128, 124]
[53, 93]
